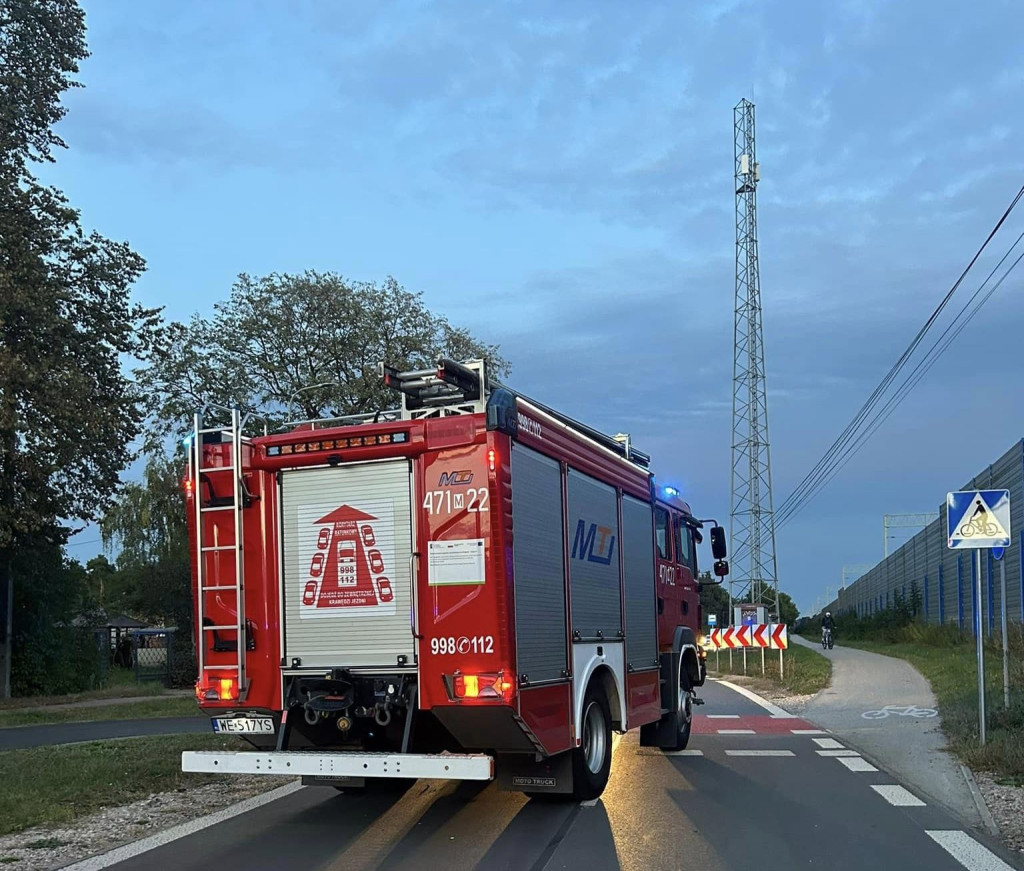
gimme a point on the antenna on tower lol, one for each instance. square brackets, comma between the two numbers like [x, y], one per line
[751, 518]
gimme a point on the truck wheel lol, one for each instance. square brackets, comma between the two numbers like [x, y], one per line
[684, 718]
[592, 760]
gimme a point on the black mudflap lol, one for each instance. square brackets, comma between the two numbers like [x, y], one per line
[520, 772]
[663, 732]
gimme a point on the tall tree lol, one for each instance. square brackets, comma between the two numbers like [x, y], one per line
[714, 599]
[68, 414]
[788, 609]
[300, 347]
[147, 528]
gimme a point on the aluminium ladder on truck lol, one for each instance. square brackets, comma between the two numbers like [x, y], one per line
[225, 578]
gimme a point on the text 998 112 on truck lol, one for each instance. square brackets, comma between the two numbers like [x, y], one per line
[469, 586]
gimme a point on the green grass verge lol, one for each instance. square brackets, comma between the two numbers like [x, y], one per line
[55, 785]
[805, 671]
[120, 684]
[952, 671]
[177, 706]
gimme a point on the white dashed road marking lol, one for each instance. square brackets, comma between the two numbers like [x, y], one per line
[855, 763]
[837, 753]
[723, 716]
[736, 732]
[828, 744]
[808, 731]
[684, 753]
[898, 796]
[968, 852]
[759, 753]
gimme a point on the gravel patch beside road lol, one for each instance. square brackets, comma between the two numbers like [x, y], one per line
[46, 848]
[1006, 804]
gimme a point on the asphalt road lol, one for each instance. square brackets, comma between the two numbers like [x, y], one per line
[20, 737]
[885, 708]
[753, 792]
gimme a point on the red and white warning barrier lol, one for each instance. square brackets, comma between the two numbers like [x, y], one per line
[773, 636]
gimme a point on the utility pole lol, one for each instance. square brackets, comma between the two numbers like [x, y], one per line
[751, 518]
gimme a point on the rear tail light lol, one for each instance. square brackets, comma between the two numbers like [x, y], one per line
[467, 686]
[218, 689]
[481, 686]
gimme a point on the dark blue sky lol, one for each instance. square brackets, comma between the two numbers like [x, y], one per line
[558, 178]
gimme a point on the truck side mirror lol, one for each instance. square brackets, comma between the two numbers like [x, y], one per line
[718, 548]
[721, 568]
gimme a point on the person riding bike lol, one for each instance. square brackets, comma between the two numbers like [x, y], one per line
[828, 622]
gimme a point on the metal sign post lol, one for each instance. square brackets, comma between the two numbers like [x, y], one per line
[979, 641]
[978, 519]
[997, 552]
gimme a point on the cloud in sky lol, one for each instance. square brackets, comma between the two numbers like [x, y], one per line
[559, 179]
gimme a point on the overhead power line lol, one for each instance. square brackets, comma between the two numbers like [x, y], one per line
[857, 431]
[938, 348]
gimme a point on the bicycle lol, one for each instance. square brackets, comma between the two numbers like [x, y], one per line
[973, 527]
[826, 639]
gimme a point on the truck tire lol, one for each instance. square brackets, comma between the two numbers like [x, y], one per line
[683, 716]
[592, 760]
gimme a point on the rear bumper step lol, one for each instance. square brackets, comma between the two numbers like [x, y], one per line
[342, 764]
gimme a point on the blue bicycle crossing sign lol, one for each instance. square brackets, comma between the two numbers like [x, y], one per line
[978, 518]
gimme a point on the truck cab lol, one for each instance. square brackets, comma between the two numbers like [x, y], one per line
[676, 537]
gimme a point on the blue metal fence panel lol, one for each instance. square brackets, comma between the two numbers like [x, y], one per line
[960, 590]
[991, 594]
[942, 598]
[975, 609]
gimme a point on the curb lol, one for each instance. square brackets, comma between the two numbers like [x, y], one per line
[776, 712]
[979, 801]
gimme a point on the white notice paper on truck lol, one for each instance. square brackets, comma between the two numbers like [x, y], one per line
[455, 562]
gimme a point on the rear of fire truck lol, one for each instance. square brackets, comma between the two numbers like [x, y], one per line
[355, 607]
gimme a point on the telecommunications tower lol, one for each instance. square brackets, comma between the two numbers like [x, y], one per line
[751, 519]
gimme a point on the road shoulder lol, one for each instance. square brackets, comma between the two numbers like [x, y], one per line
[46, 847]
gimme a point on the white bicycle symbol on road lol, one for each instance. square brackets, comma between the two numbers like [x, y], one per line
[900, 711]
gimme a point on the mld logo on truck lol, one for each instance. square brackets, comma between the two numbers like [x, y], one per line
[591, 543]
[455, 479]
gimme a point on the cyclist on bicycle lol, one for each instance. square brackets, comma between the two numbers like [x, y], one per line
[828, 622]
[979, 509]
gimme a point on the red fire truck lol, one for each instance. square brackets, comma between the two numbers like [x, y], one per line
[472, 586]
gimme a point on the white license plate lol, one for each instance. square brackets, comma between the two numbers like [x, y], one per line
[244, 725]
